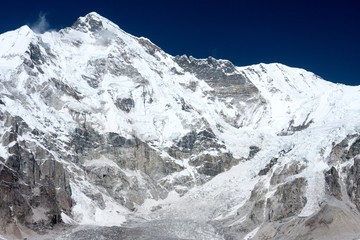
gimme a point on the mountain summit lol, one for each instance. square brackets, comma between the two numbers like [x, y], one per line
[102, 128]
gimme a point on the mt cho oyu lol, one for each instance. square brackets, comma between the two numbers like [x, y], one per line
[104, 135]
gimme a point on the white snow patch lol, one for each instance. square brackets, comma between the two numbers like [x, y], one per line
[68, 220]
[86, 212]
[101, 162]
[241, 220]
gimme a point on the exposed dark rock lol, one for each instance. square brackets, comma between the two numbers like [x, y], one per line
[35, 54]
[257, 212]
[13, 205]
[7, 175]
[17, 124]
[353, 183]
[253, 151]
[221, 75]
[332, 183]
[346, 149]
[35, 191]
[98, 67]
[135, 154]
[209, 69]
[115, 140]
[95, 25]
[131, 191]
[131, 154]
[66, 89]
[84, 140]
[288, 200]
[23, 200]
[185, 106]
[339, 151]
[125, 104]
[354, 149]
[268, 166]
[93, 82]
[213, 165]
[187, 142]
[292, 129]
[40, 70]
[290, 169]
[55, 172]
[195, 142]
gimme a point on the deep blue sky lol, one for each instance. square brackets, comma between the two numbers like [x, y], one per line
[320, 36]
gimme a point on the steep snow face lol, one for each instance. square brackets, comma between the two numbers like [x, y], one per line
[300, 96]
[16, 42]
[131, 124]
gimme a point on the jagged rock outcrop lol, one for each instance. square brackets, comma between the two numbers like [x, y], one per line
[292, 129]
[288, 200]
[345, 149]
[281, 174]
[353, 182]
[332, 180]
[34, 186]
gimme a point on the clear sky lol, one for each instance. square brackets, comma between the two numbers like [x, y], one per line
[320, 36]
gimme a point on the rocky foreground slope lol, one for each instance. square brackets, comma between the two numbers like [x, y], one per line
[105, 131]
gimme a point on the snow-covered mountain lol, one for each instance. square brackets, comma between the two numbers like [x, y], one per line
[99, 127]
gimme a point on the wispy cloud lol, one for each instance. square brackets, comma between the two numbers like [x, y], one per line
[41, 25]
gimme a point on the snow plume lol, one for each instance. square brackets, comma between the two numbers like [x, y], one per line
[41, 25]
[105, 37]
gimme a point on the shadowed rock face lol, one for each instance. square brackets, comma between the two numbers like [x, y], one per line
[196, 142]
[125, 104]
[35, 188]
[268, 166]
[288, 200]
[346, 150]
[221, 75]
[213, 165]
[332, 183]
[35, 54]
[353, 183]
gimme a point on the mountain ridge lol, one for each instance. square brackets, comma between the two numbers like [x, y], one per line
[101, 127]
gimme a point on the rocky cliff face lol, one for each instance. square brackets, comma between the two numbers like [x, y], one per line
[35, 187]
[100, 127]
